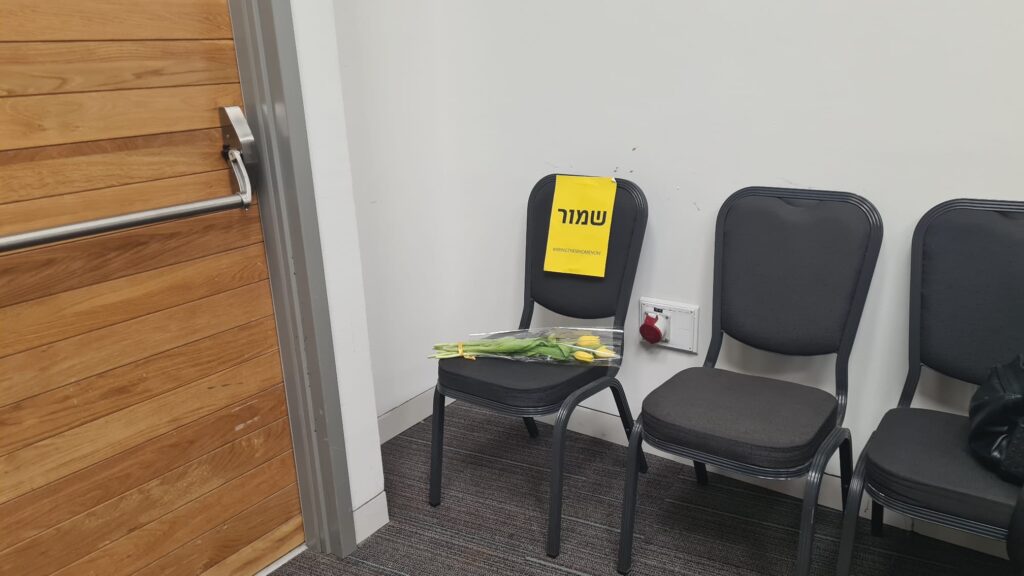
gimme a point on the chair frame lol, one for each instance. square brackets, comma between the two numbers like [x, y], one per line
[565, 408]
[838, 439]
[860, 482]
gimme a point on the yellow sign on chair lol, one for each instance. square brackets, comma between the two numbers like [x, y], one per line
[581, 222]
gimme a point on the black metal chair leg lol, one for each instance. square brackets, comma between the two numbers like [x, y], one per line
[845, 467]
[810, 505]
[812, 489]
[627, 417]
[555, 493]
[561, 430]
[531, 426]
[877, 519]
[436, 448]
[850, 518]
[701, 470]
[629, 498]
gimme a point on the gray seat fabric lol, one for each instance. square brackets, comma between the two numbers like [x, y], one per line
[805, 257]
[750, 419]
[514, 383]
[971, 281]
[921, 457]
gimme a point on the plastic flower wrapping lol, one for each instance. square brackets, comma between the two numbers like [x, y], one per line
[599, 346]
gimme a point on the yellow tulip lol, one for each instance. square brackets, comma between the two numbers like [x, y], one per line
[583, 356]
[604, 352]
[588, 341]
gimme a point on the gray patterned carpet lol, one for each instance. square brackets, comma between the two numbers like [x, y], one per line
[492, 517]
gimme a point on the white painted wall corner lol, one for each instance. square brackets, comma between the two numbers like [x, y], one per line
[407, 414]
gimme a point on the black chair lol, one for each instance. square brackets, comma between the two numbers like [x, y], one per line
[534, 389]
[792, 271]
[966, 316]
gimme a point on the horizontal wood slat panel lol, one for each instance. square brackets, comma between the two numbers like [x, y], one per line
[261, 495]
[45, 320]
[33, 513]
[31, 121]
[55, 170]
[143, 420]
[39, 417]
[79, 207]
[22, 20]
[228, 538]
[30, 68]
[88, 532]
[60, 455]
[70, 265]
[54, 365]
[262, 552]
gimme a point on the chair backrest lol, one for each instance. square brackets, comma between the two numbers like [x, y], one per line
[584, 296]
[792, 271]
[966, 290]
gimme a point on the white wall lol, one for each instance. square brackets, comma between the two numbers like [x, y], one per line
[325, 122]
[456, 107]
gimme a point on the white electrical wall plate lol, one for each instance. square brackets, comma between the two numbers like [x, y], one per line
[677, 322]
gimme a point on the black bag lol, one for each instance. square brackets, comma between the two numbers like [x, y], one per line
[997, 421]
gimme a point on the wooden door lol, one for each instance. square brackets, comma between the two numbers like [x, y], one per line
[143, 427]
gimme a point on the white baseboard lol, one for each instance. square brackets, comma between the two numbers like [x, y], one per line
[406, 415]
[371, 516]
[608, 427]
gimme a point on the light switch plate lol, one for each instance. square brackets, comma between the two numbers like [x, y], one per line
[683, 322]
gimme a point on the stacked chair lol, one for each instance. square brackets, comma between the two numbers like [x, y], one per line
[792, 271]
[526, 389]
[966, 316]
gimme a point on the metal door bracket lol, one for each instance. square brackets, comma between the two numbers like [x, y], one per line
[239, 149]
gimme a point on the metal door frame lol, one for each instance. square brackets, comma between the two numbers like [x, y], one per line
[283, 180]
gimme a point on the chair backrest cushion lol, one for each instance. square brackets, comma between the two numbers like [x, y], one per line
[585, 296]
[791, 266]
[971, 291]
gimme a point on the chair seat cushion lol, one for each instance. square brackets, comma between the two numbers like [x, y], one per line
[749, 419]
[515, 383]
[921, 457]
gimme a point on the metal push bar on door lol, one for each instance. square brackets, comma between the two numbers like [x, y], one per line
[239, 150]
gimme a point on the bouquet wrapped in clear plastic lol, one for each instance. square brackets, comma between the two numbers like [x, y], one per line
[600, 346]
